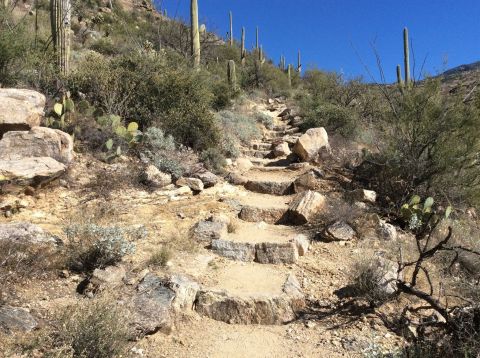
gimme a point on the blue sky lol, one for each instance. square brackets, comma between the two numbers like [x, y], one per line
[330, 32]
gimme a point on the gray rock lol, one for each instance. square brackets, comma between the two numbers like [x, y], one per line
[239, 251]
[243, 165]
[208, 179]
[258, 214]
[237, 179]
[206, 231]
[270, 187]
[339, 231]
[386, 231]
[364, 195]
[38, 142]
[20, 109]
[13, 319]
[30, 171]
[305, 207]
[185, 292]
[153, 177]
[276, 253]
[107, 278]
[309, 145]
[26, 233]
[311, 180]
[151, 307]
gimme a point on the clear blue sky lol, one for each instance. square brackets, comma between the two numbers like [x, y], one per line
[327, 31]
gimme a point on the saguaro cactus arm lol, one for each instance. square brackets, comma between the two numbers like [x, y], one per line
[406, 56]
[231, 28]
[195, 34]
[243, 54]
[299, 66]
[256, 42]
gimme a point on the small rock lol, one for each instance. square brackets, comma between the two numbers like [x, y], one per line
[206, 231]
[387, 231]
[208, 178]
[303, 243]
[244, 165]
[364, 195]
[193, 183]
[152, 176]
[339, 231]
[25, 232]
[14, 319]
[282, 150]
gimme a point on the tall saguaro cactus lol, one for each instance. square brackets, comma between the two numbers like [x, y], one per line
[406, 56]
[256, 42]
[299, 66]
[231, 28]
[243, 54]
[282, 63]
[260, 55]
[232, 75]
[195, 34]
[60, 15]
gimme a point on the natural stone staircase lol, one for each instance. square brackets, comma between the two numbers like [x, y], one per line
[263, 291]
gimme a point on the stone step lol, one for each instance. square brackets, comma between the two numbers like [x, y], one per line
[270, 187]
[262, 243]
[256, 153]
[281, 127]
[250, 294]
[255, 207]
[261, 146]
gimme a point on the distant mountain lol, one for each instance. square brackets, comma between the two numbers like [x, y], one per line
[462, 80]
[472, 67]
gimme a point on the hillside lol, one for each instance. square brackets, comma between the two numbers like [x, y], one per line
[165, 192]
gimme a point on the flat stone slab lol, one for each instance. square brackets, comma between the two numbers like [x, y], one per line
[252, 294]
[30, 171]
[14, 319]
[270, 187]
[257, 207]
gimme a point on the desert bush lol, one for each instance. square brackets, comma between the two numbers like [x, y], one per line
[160, 257]
[214, 160]
[430, 146]
[93, 329]
[91, 246]
[20, 261]
[154, 139]
[238, 126]
[369, 280]
[266, 120]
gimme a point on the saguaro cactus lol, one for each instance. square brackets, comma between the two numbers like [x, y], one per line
[231, 28]
[299, 66]
[243, 54]
[399, 76]
[260, 55]
[232, 75]
[256, 42]
[195, 34]
[6, 3]
[406, 56]
[60, 15]
[289, 72]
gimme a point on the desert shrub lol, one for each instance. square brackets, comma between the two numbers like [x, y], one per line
[19, 261]
[93, 329]
[155, 140]
[238, 126]
[265, 119]
[334, 118]
[213, 159]
[223, 95]
[152, 90]
[430, 146]
[369, 280]
[160, 257]
[104, 46]
[170, 166]
[91, 246]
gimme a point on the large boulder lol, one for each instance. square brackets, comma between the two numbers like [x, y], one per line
[26, 233]
[270, 187]
[38, 142]
[282, 149]
[153, 177]
[14, 319]
[20, 109]
[309, 144]
[304, 207]
[30, 171]
[252, 213]
[208, 230]
[276, 253]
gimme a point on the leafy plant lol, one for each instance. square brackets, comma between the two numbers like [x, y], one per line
[61, 112]
[416, 214]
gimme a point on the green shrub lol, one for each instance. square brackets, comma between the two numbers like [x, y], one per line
[213, 159]
[333, 117]
[169, 165]
[156, 140]
[91, 246]
[238, 126]
[265, 119]
[104, 46]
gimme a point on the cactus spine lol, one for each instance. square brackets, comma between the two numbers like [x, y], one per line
[60, 14]
[406, 55]
[195, 34]
[231, 28]
[232, 75]
[299, 66]
[257, 43]
[244, 52]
